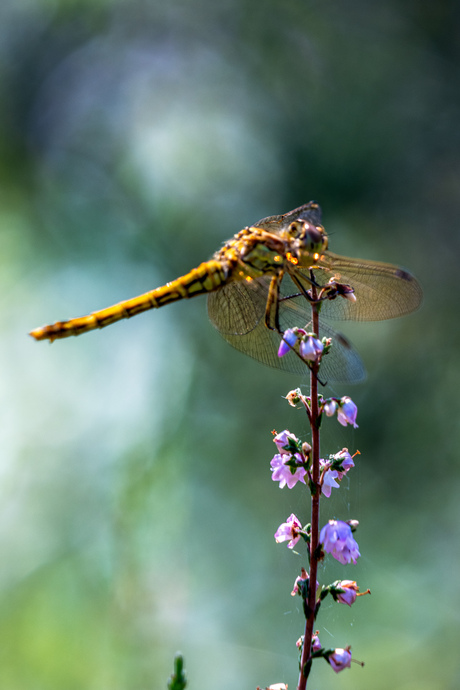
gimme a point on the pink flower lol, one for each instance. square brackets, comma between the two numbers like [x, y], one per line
[315, 643]
[297, 589]
[340, 659]
[311, 348]
[347, 412]
[289, 530]
[346, 461]
[285, 474]
[281, 441]
[289, 340]
[329, 482]
[349, 594]
[330, 407]
[337, 539]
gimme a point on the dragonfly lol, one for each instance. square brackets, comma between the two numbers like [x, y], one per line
[261, 283]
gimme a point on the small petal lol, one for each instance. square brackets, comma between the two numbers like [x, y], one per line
[329, 482]
[289, 340]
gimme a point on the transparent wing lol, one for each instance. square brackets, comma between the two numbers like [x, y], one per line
[237, 310]
[383, 291]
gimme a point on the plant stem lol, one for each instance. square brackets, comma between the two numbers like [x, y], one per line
[305, 663]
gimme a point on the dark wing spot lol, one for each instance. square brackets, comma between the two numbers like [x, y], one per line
[404, 275]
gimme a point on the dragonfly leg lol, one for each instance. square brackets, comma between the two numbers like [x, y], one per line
[272, 319]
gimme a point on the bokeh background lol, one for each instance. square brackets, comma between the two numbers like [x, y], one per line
[136, 507]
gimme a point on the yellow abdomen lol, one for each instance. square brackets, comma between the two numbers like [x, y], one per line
[206, 278]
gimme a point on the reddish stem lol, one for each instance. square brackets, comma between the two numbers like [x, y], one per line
[305, 662]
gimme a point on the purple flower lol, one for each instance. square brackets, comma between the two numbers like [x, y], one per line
[337, 539]
[311, 348]
[289, 340]
[329, 482]
[340, 659]
[281, 441]
[289, 530]
[285, 474]
[347, 412]
[349, 593]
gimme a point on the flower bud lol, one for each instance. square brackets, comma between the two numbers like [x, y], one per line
[311, 348]
[347, 412]
[340, 659]
[348, 594]
[284, 441]
[289, 340]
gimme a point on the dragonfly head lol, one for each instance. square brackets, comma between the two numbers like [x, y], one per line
[309, 241]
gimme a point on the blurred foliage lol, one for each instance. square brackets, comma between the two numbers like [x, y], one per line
[178, 680]
[137, 510]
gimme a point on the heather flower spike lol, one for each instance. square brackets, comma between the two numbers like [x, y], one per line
[298, 462]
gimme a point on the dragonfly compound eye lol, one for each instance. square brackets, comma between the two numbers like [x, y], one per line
[313, 239]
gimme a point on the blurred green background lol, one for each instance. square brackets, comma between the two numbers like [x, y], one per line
[137, 511]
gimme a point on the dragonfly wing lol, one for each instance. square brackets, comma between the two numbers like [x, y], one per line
[236, 308]
[383, 291]
[237, 311]
[342, 363]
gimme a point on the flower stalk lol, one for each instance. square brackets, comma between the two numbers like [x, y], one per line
[314, 418]
[298, 462]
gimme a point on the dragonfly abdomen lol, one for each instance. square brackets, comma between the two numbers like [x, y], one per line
[207, 277]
